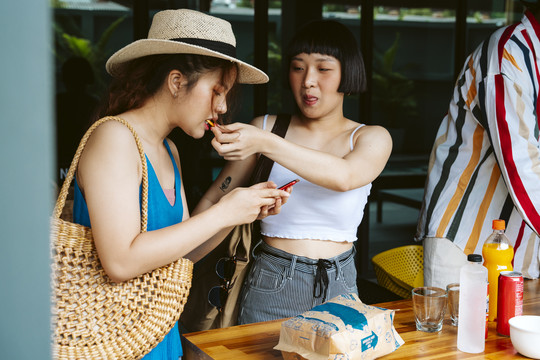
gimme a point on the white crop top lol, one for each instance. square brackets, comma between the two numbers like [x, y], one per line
[314, 212]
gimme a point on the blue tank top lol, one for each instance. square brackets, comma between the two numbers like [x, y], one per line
[160, 214]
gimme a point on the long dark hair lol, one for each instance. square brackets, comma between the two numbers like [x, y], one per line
[139, 79]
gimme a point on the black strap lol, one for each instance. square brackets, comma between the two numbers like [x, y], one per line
[213, 45]
[264, 164]
[321, 279]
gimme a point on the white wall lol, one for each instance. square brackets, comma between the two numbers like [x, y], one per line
[26, 162]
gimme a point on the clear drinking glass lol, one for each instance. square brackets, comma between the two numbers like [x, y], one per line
[453, 302]
[429, 305]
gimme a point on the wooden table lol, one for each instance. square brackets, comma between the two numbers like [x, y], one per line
[256, 341]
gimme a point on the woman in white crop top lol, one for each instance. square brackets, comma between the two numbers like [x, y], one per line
[307, 253]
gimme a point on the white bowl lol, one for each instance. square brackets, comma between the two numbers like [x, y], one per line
[525, 335]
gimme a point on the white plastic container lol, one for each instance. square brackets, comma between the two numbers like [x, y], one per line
[472, 306]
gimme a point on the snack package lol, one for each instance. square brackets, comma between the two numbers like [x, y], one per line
[341, 328]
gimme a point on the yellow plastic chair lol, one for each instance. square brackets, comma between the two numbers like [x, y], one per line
[400, 269]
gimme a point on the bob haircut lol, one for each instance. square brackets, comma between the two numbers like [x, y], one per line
[329, 37]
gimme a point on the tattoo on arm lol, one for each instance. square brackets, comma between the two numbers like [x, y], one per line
[225, 184]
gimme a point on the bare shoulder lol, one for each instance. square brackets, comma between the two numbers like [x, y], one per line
[111, 134]
[111, 145]
[259, 122]
[373, 135]
[373, 131]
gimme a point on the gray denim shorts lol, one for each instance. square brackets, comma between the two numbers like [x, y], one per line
[280, 284]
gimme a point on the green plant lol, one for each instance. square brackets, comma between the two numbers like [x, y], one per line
[244, 4]
[447, 13]
[272, 4]
[393, 93]
[419, 11]
[478, 17]
[274, 72]
[68, 45]
[334, 8]
[57, 4]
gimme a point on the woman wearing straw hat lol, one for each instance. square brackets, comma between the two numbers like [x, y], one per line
[307, 253]
[180, 76]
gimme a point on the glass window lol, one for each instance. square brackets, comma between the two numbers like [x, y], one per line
[86, 33]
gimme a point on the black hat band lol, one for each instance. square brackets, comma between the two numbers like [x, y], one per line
[218, 46]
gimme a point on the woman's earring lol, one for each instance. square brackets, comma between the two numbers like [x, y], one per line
[175, 95]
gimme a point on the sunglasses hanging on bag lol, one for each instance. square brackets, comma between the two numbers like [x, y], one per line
[225, 267]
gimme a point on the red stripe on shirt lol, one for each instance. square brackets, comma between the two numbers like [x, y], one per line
[533, 22]
[506, 149]
[518, 240]
[502, 41]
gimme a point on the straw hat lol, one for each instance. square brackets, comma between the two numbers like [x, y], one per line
[186, 31]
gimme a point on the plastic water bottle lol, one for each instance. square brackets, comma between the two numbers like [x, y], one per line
[472, 305]
[498, 255]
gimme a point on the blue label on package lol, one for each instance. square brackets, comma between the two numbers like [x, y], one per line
[369, 342]
[347, 314]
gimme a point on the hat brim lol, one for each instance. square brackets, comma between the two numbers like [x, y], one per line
[247, 74]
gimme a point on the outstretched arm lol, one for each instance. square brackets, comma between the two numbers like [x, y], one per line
[340, 172]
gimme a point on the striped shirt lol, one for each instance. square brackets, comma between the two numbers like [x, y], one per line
[485, 163]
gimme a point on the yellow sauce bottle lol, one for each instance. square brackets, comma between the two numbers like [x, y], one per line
[498, 254]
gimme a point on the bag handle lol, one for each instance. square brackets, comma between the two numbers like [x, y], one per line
[264, 164]
[61, 201]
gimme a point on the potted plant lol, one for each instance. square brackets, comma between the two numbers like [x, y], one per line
[393, 95]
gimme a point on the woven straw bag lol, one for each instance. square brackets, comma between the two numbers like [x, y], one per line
[94, 318]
